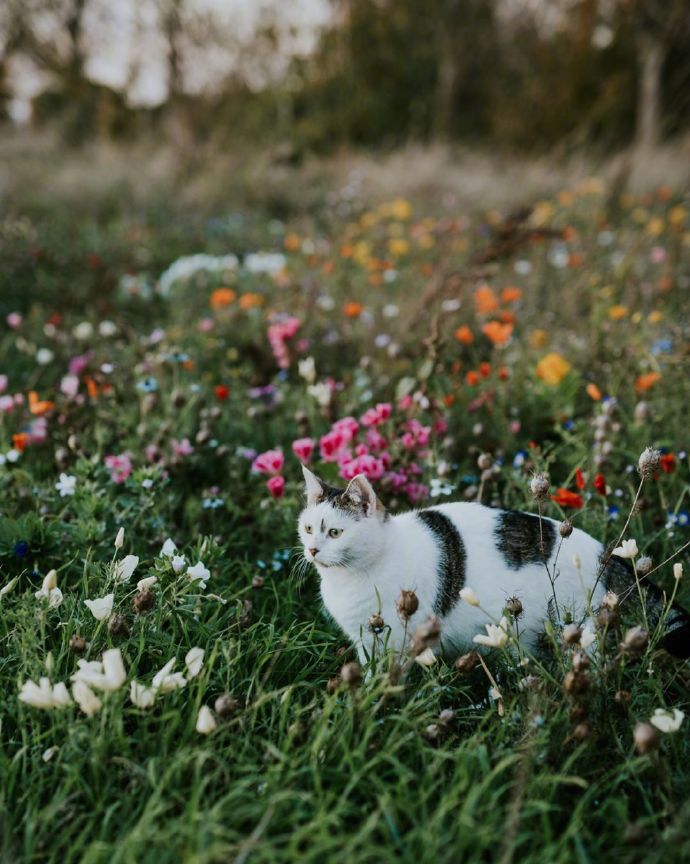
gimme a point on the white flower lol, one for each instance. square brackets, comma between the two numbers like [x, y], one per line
[677, 572]
[44, 356]
[44, 695]
[85, 698]
[264, 262]
[194, 661]
[48, 754]
[667, 720]
[205, 721]
[107, 675]
[101, 607]
[107, 328]
[178, 563]
[628, 549]
[199, 573]
[168, 549]
[166, 680]
[307, 369]
[120, 538]
[9, 587]
[496, 635]
[84, 330]
[426, 658]
[468, 595]
[66, 485]
[321, 392]
[141, 696]
[13, 455]
[125, 568]
[49, 590]
[148, 582]
[587, 638]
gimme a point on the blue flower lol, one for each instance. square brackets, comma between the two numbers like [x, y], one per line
[519, 459]
[613, 513]
[662, 346]
[21, 549]
[147, 385]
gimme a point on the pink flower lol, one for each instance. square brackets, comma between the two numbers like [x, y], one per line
[331, 444]
[14, 320]
[348, 426]
[278, 334]
[416, 492]
[182, 448]
[153, 454]
[303, 448]
[120, 467]
[69, 385]
[370, 466]
[206, 325]
[276, 485]
[375, 440]
[375, 416]
[269, 462]
[6, 404]
[77, 364]
[657, 255]
[405, 403]
[361, 450]
[397, 479]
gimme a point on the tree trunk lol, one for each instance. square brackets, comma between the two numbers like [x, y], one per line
[651, 59]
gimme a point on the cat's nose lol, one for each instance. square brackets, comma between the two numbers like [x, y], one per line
[313, 551]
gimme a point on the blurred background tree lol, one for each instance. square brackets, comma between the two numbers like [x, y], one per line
[513, 74]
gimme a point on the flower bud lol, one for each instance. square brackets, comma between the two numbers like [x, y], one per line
[610, 600]
[446, 717]
[77, 644]
[607, 617]
[258, 581]
[120, 539]
[641, 412]
[678, 571]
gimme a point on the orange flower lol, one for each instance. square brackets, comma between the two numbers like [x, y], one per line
[292, 242]
[449, 400]
[485, 369]
[511, 294]
[464, 334]
[346, 250]
[91, 388]
[20, 441]
[485, 300]
[472, 378]
[328, 266]
[376, 279]
[617, 313]
[574, 259]
[593, 392]
[644, 382]
[552, 368]
[251, 300]
[504, 373]
[507, 317]
[538, 338]
[497, 333]
[222, 297]
[36, 406]
[353, 309]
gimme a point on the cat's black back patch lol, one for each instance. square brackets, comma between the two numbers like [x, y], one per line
[521, 540]
[452, 559]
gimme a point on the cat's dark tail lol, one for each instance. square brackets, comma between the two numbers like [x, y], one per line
[619, 577]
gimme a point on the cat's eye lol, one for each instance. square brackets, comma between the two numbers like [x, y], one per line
[307, 528]
[335, 532]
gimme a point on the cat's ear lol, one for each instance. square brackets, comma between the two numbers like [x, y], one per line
[360, 490]
[314, 487]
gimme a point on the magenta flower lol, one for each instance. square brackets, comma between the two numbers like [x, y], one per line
[269, 462]
[77, 364]
[278, 335]
[276, 485]
[120, 467]
[416, 492]
[303, 448]
[182, 448]
[348, 427]
[370, 466]
[331, 445]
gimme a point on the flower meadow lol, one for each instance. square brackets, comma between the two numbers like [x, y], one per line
[171, 687]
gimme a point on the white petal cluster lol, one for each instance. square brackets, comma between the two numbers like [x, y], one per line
[496, 635]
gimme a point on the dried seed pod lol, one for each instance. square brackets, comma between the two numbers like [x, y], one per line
[446, 717]
[258, 581]
[77, 644]
[580, 661]
[332, 684]
[539, 486]
[572, 633]
[407, 603]
[466, 663]
[646, 738]
[582, 732]
[576, 682]
[226, 705]
[635, 640]
[514, 606]
[144, 600]
[376, 623]
[607, 617]
[649, 462]
[610, 600]
[578, 712]
[565, 529]
[644, 565]
[117, 625]
[351, 674]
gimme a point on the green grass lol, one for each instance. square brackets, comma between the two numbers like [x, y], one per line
[304, 770]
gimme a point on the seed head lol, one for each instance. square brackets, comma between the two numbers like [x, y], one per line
[258, 581]
[77, 644]
[582, 732]
[514, 607]
[376, 623]
[351, 674]
[539, 486]
[144, 600]
[576, 682]
[432, 732]
[644, 565]
[635, 640]
[580, 661]
[407, 603]
[117, 625]
[646, 738]
[565, 529]
[649, 462]
[607, 617]
[485, 462]
[610, 600]
[226, 705]
[466, 663]
[572, 633]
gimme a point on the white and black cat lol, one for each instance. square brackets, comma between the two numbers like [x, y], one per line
[365, 557]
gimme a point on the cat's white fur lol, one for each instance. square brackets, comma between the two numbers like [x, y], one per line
[364, 569]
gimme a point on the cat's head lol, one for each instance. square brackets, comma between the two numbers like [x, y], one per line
[341, 527]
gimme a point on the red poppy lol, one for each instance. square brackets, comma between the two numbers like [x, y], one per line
[579, 479]
[222, 392]
[566, 498]
[600, 484]
[668, 463]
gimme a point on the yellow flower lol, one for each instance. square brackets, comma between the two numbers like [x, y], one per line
[552, 368]
[654, 317]
[617, 313]
[538, 338]
[677, 216]
[400, 209]
[398, 246]
[541, 214]
[655, 227]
